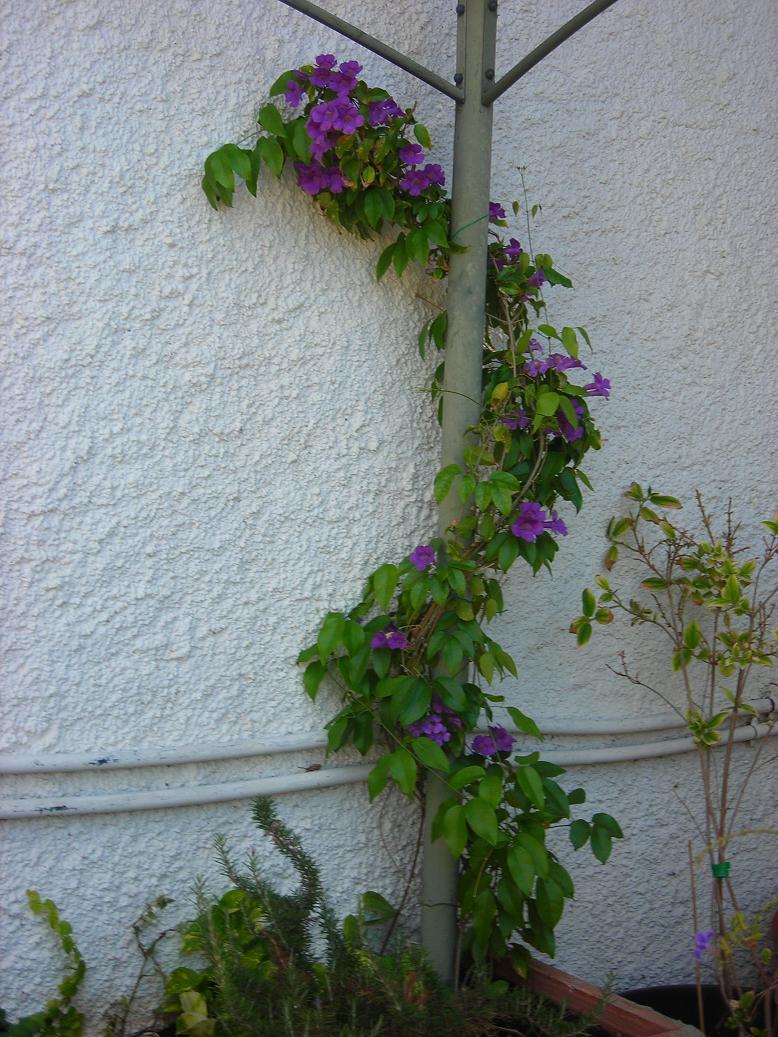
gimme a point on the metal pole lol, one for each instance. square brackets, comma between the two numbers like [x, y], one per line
[476, 34]
[369, 42]
[545, 48]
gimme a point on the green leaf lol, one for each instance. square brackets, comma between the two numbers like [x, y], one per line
[550, 901]
[482, 819]
[400, 257]
[455, 830]
[452, 693]
[269, 119]
[444, 481]
[280, 85]
[384, 584]
[430, 754]
[312, 678]
[663, 501]
[610, 824]
[402, 767]
[331, 634]
[524, 723]
[521, 868]
[354, 636]
[465, 777]
[531, 785]
[377, 778]
[422, 135]
[490, 789]
[301, 142]
[583, 633]
[453, 656]
[601, 843]
[219, 170]
[271, 154]
[579, 833]
[384, 261]
[486, 666]
[547, 403]
[692, 635]
[537, 852]
[373, 206]
[376, 906]
[570, 342]
[589, 603]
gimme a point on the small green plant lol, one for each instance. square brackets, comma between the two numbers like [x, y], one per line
[60, 1018]
[260, 975]
[714, 608]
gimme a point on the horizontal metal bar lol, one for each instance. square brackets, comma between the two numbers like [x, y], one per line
[383, 50]
[545, 48]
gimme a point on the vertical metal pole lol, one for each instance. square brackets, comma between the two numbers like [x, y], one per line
[476, 34]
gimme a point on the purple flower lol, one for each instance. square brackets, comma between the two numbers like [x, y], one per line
[422, 557]
[537, 279]
[411, 154]
[435, 174]
[396, 639]
[556, 525]
[530, 521]
[380, 113]
[534, 345]
[430, 727]
[535, 368]
[326, 61]
[309, 177]
[561, 362]
[513, 250]
[570, 432]
[391, 637]
[349, 120]
[599, 386]
[702, 942]
[350, 68]
[496, 211]
[293, 93]
[497, 741]
[333, 179]
[516, 419]
[414, 182]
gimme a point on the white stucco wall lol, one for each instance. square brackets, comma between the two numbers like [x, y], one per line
[202, 452]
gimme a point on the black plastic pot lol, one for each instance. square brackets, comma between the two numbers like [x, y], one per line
[680, 1002]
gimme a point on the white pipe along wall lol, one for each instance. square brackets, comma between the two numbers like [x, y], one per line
[211, 430]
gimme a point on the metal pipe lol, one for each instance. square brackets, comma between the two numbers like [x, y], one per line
[121, 759]
[155, 799]
[551, 43]
[383, 50]
[466, 305]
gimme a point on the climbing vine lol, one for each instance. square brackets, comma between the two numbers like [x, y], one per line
[413, 659]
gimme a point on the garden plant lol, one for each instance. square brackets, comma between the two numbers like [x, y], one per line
[715, 610]
[412, 658]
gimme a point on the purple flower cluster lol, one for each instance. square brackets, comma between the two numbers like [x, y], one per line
[516, 419]
[422, 557]
[497, 741]
[439, 724]
[537, 279]
[702, 942]
[417, 180]
[555, 362]
[570, 432]
[532, 520]
[330, 120]
[599, 386]
[325, 75]
[381, 113]
[496, 211]
[390, 638]
[313, 177]
[507, 253]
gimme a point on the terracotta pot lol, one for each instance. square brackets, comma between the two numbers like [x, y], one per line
[621, 1017]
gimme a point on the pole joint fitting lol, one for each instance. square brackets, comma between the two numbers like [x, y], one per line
[460, 10]
[489, 74]
[492, 5]
[459, 78]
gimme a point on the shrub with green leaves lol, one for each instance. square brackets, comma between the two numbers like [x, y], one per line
[412, 658]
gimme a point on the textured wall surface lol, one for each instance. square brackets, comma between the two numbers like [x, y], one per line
[212, 430]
